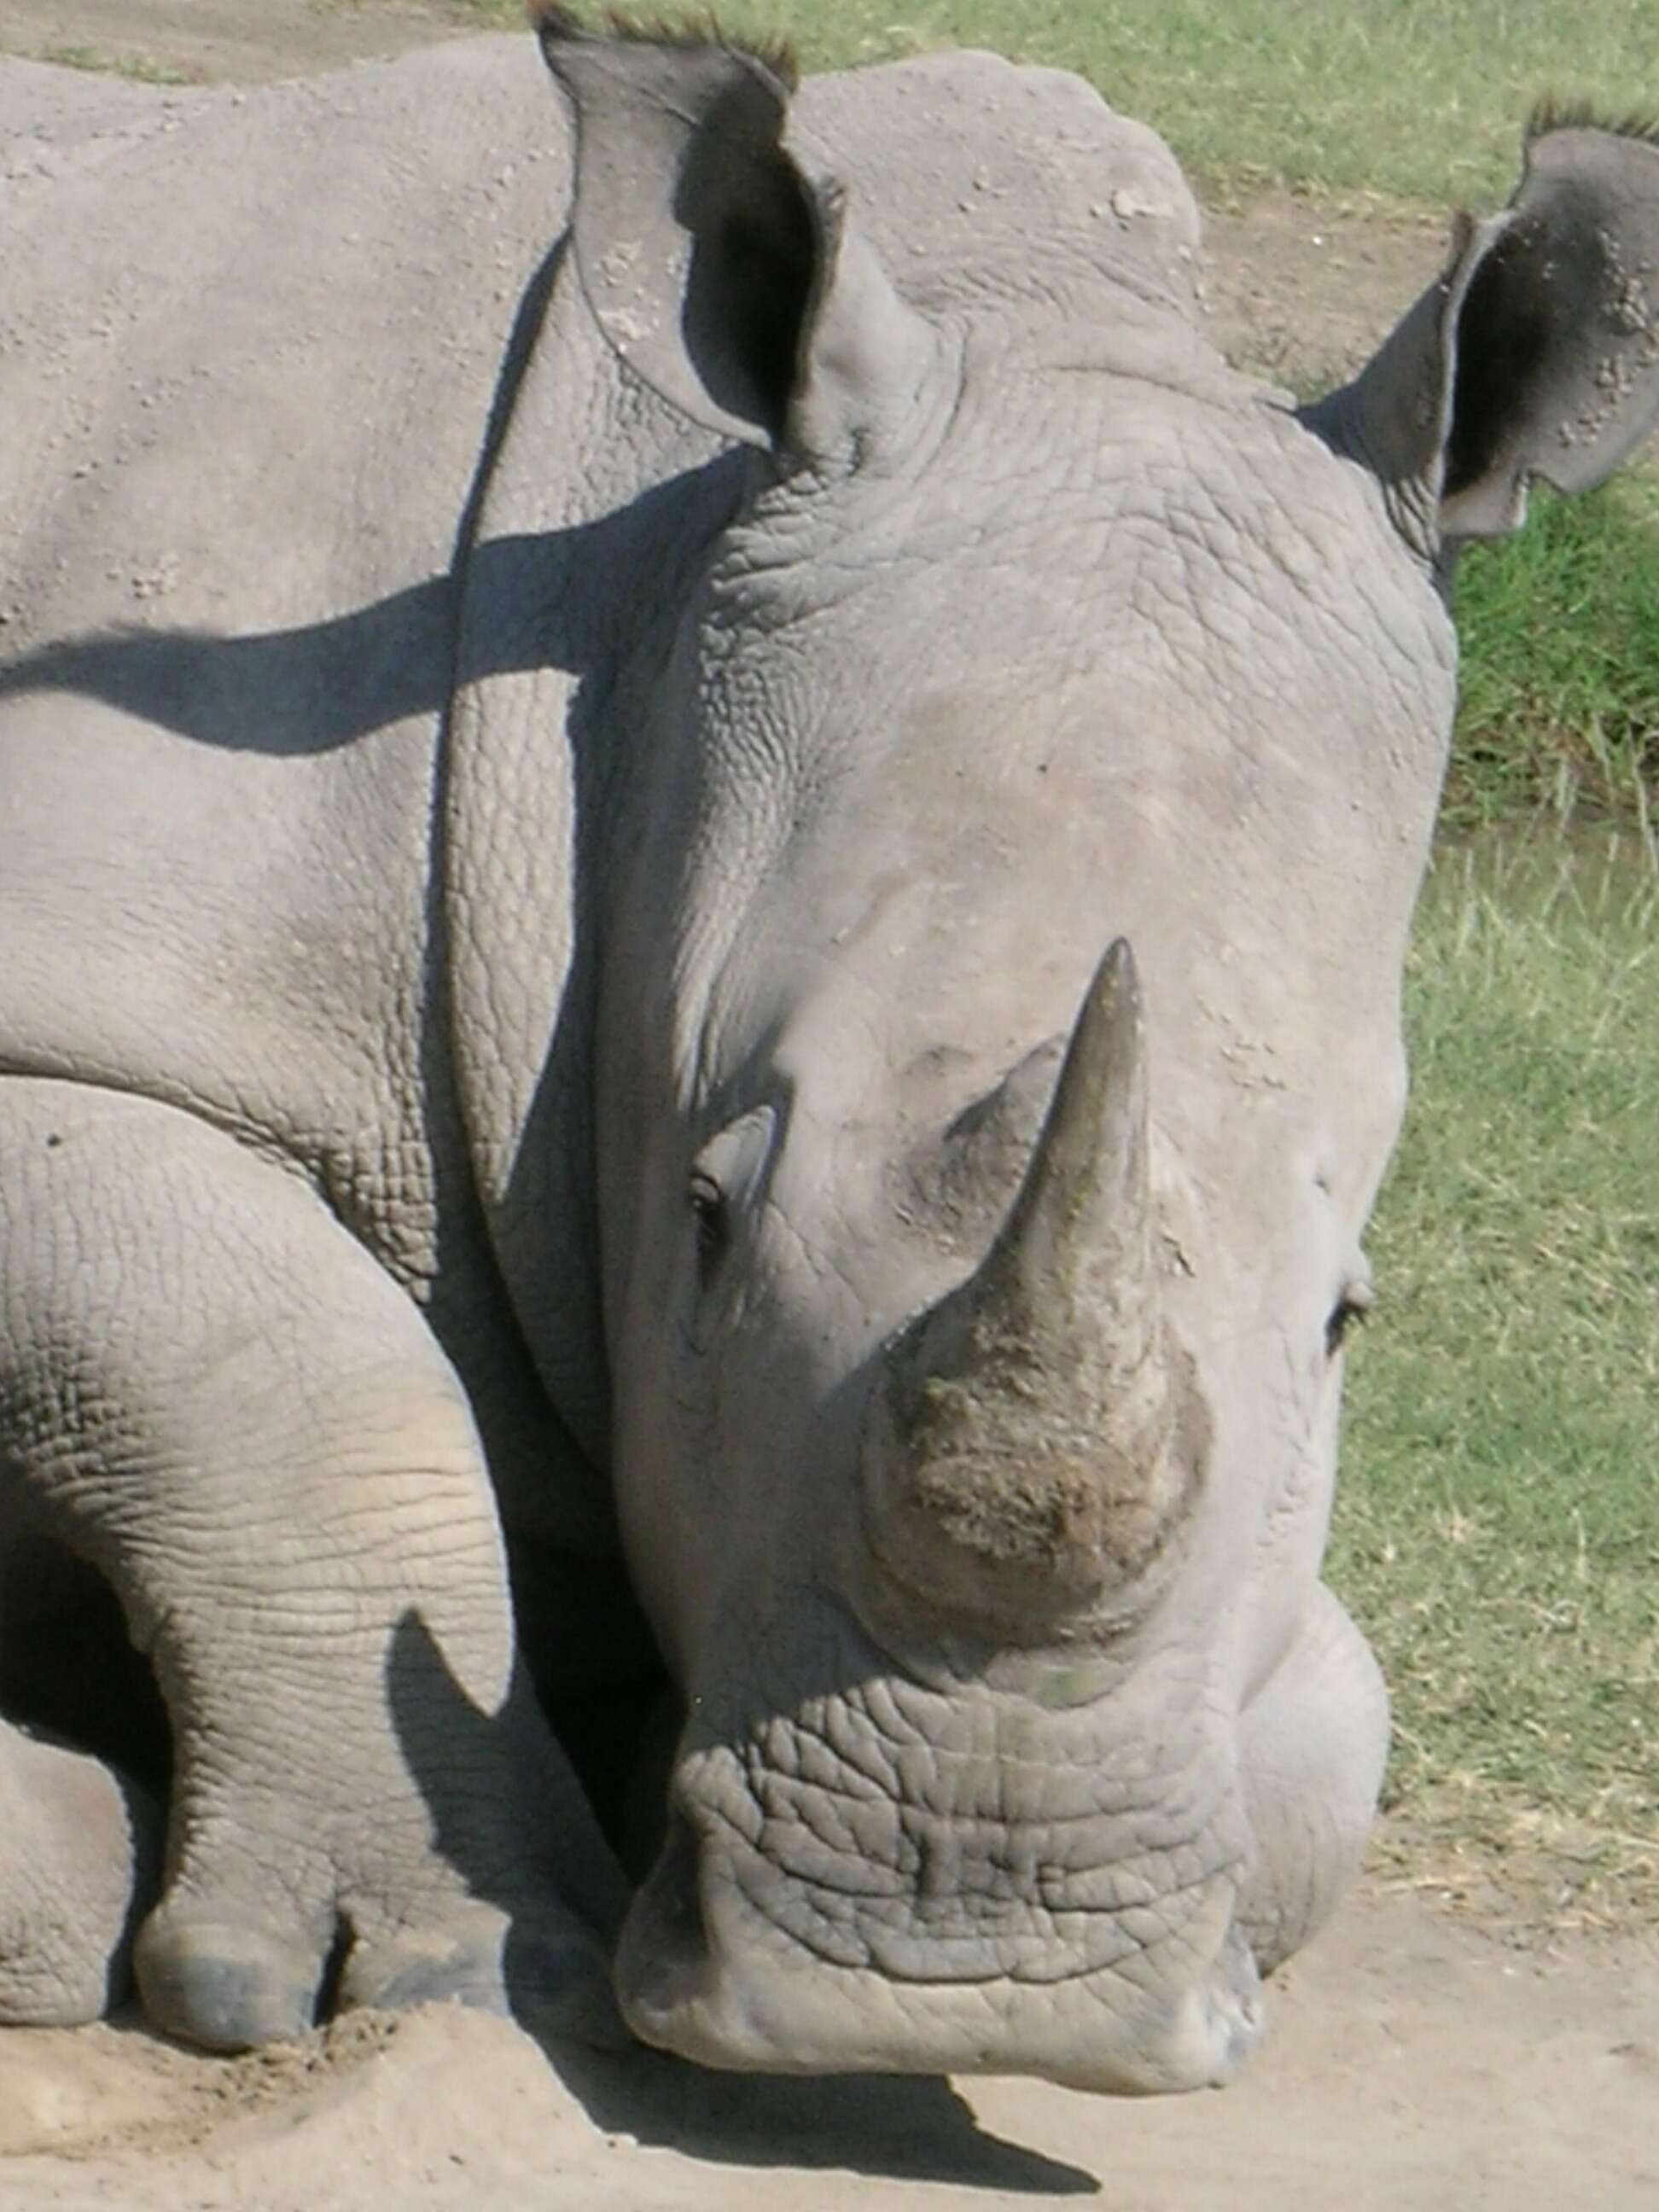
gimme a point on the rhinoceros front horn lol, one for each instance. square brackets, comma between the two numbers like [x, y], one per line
[1019, 1452]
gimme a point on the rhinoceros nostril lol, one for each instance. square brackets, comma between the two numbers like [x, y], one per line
[676, 1877]
[663, 1962]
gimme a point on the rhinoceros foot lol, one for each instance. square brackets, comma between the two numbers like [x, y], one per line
[228, 1984]
[224, 1984]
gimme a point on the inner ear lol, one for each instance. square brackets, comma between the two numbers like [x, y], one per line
[1557, 350]
[731, 284]
[754, 261]
[1535, 356]
[1505, 329]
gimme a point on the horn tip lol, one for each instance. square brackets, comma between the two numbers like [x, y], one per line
[1118, 966]
[1114, 1005]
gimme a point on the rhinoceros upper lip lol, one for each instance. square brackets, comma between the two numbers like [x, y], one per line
[954, 1833]
[732, 1960]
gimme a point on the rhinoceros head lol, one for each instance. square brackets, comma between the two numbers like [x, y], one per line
[999, 1040]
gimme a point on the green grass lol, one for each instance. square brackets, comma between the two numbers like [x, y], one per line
[1417, 99]
[1497, 1528]
[1559, 690]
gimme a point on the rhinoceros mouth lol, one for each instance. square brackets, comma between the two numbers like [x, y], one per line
[885, 1880]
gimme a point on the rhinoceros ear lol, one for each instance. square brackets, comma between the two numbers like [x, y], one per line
[1536, 355]
[725, 279]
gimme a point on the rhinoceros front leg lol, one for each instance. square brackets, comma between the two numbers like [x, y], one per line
[77, 1862]
[214, 1395]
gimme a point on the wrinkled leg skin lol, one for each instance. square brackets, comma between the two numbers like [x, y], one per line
[214, 1395]
[78, 1861]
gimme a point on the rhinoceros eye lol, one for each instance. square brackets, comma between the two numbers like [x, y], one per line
[1351, 1309]
[711, 1217]
[725, 1184]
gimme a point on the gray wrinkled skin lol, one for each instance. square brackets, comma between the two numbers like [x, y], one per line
[560, 945]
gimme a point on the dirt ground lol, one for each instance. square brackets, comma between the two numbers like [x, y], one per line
[1414, 2064]
[1418, 2061]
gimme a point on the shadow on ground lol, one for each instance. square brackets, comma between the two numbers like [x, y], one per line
[901, 2127]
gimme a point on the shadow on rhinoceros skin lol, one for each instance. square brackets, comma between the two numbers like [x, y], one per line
[321, 685]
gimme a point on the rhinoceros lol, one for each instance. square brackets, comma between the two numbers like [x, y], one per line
[707, 850]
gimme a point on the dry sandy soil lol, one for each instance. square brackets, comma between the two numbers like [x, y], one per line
[1415, 2065]
[1418, 2061]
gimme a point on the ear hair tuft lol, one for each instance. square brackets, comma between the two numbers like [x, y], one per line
[1551, 112]
[552, 22]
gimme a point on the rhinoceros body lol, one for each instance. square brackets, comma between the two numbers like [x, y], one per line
[694, 809]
